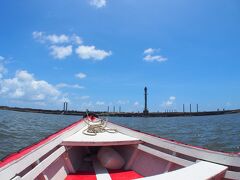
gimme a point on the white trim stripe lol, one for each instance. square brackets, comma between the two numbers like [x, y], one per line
[101, 172]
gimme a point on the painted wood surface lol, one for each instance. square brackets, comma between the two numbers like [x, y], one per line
[198, 171]
[44, 164]
[165, 156]
[101, 172]
[101, 139]
[199, 153]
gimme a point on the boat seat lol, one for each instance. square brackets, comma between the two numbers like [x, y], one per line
[198, 171]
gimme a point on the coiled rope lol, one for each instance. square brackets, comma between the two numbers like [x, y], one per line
[96, 126]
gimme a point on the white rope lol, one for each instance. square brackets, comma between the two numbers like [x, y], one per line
[96, 126]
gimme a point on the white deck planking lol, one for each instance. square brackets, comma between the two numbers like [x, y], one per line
[101, 139]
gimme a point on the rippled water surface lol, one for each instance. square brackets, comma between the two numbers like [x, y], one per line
[222, 133]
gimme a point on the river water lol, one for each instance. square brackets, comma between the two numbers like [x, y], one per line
[222, 132]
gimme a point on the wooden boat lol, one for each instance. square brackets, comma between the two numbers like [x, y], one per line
[90, 150]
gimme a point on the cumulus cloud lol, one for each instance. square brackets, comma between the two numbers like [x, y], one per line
[80, 75]
[64, 85]
[172, 98]
[169, 102]
[75, 38]
[23, 86]
[157, 58]
[61, 46]
[98, 3]
[150, 55]
[56, 39]
[61, 52]
[90, 52]
[39, 36]
[149, 51]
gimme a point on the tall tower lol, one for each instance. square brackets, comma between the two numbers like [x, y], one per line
[65, 106]
[145, 111]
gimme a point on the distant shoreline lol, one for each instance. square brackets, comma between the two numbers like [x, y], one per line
[122, 114]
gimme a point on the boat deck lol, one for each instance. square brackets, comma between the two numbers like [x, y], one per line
[100, 139]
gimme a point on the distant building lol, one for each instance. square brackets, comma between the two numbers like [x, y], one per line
[145, 111]
[65, 106]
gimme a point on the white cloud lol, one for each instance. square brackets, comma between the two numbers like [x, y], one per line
[80, 75]
[75, 38]
[157, 58]
[169, 102]
[98, 3]
[23, 86]
[150, 55]
[52, 38]
[61, 52]
[100, 103]
[61, 46]
[172, 98]
[56, 39]
[64, 85]
[90, 52]
[39, 36]
[1, 58]
[149, 51]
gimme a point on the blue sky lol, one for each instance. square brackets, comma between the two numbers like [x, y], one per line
[100, 53]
